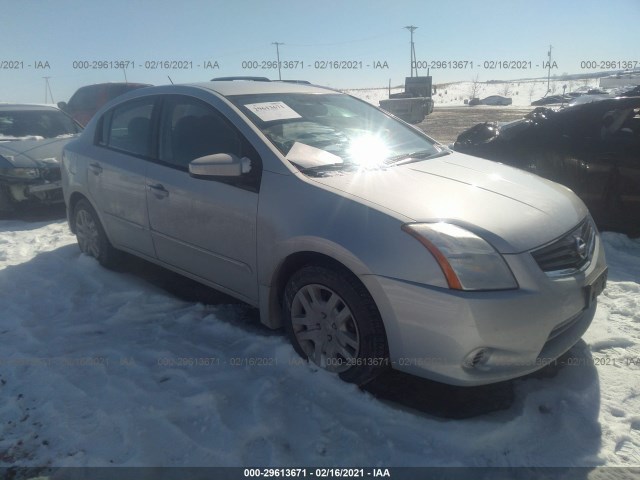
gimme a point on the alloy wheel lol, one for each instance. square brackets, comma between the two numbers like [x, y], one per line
[87, 233]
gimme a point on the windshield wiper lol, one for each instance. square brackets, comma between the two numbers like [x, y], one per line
[319, 168]
[415, 156]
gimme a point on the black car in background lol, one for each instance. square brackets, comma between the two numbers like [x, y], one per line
[31, 142]
[552, 99]
[594, 149]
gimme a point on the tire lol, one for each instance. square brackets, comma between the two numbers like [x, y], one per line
[333, 322]
[91, 237]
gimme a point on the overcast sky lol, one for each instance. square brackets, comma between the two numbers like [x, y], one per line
[357, 33]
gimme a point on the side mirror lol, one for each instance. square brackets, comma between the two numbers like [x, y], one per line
[219, 165]
[62, 106]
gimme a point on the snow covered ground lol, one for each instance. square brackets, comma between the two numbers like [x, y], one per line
[101, 368]
[453, 94]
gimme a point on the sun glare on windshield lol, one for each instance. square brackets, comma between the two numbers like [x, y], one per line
[368, 151]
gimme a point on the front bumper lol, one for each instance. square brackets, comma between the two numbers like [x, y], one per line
[475, 338]
[32, 190]
[38, 191]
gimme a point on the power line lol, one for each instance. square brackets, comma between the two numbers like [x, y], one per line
[47, 89]
[411, 28]
[549, 71]
[277, 44]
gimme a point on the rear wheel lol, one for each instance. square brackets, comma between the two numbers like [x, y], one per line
[91, 237]
[333, 322]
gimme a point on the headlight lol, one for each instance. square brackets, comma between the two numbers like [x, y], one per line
[467, 261]
[25, 173]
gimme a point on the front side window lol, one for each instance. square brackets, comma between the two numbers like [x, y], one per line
[191, 129]
[130, 127]
[321, 130]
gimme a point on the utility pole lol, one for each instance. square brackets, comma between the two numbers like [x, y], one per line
[277, 44]
[47, 90]
[549, 69]
[411, 28]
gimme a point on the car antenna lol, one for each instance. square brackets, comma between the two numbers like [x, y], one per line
[170, 79]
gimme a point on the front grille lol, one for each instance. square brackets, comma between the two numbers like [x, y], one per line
[570, 253]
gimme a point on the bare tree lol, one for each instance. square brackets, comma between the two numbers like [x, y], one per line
[506, 89]
[475, 86]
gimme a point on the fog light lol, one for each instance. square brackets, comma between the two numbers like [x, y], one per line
[477, 359]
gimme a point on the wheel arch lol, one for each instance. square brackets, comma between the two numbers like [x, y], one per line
[271, 300]
[74, 198]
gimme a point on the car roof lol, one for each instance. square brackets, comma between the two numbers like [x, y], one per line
[133, 84]
[244, 87]
[12, 107]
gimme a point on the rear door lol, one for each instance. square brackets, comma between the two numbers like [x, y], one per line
[204, 227]
[117, 173]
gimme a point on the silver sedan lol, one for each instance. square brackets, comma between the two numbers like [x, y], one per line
[371, 244]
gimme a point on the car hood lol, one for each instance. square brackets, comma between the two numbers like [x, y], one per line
[31, 153]
[514, 210]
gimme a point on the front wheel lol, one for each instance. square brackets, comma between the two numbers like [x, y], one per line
[91, 237]
[333, 322]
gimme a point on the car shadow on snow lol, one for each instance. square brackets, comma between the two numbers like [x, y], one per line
[240, 314]
[36, 213]
[454, 402]
[392, 387]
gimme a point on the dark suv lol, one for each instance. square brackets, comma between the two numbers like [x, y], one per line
[88, 100]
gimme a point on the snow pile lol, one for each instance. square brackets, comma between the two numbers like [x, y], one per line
[100, 368]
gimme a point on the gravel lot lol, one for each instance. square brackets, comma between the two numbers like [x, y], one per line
[446, 123]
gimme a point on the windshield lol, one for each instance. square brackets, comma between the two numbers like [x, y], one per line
[21, 124]
[332, 130]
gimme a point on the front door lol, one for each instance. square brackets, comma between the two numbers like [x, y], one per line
[204, 227]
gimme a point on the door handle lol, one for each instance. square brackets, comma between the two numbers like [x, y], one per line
[158, 190]
[96, 168]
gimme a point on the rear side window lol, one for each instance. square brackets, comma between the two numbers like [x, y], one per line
[129, 129]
